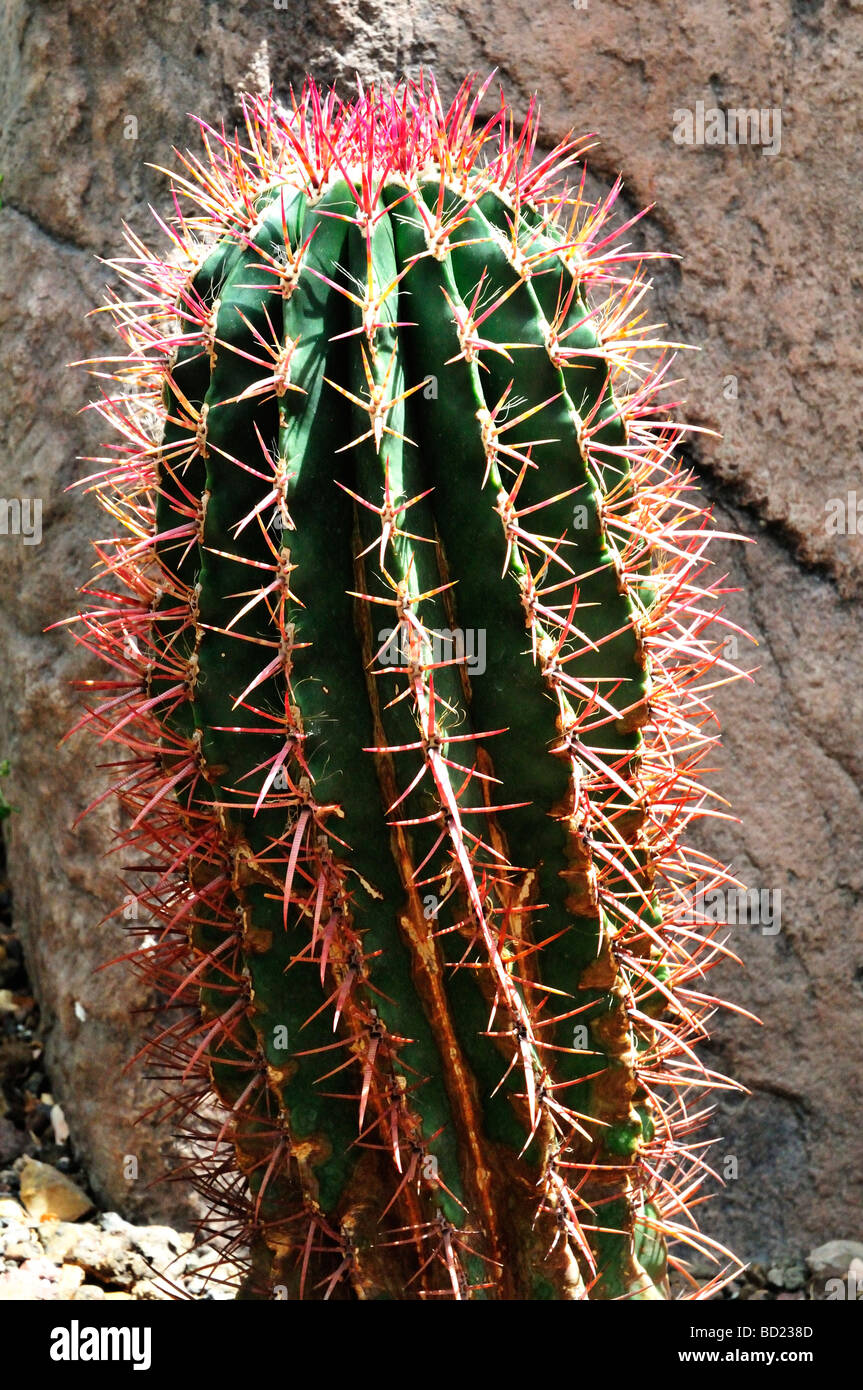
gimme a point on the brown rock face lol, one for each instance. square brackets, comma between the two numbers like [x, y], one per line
[768, 286]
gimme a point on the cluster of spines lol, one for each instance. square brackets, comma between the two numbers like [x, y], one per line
[627, 805]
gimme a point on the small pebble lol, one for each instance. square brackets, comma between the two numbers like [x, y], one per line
[45, 1192]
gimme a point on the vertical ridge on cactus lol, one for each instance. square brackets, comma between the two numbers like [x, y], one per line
[426, 938]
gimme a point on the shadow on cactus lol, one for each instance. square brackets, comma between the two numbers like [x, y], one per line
[409, 622]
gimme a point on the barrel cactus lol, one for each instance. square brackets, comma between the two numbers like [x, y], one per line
[412, 633]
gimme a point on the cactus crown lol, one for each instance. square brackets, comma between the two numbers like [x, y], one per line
[410, 618]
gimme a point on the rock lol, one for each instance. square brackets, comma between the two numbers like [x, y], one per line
[766, 286]
[62, 1260]
[150, 1289]
[33, 1279]
[795, 1277]
[39, 1122]
[22, 1249]
[108, 1257]
[159, 1244]
[200, 1258]
[69, 1280]
[13, 1141]
[47, 1193]
[10, 1210]
[225, 1289]
[15, 1233]
[114, 1253]
[113, 1222]
[834, 1259]
[786, 1276]
[60, 1237]
[59, 1125]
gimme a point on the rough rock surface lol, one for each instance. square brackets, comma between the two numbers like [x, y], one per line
[107, 1258]
[767, 286]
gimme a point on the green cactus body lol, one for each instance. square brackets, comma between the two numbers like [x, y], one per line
[425, 907]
